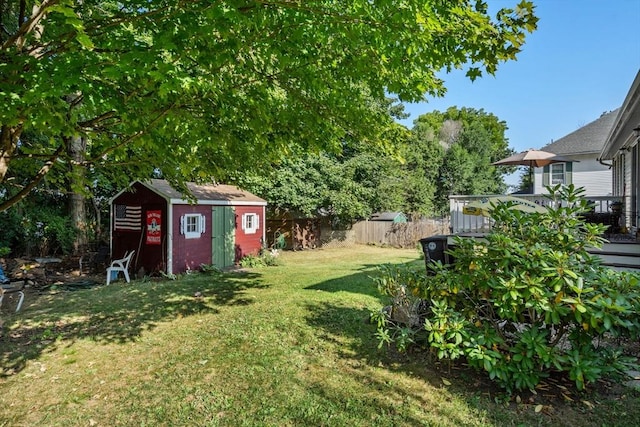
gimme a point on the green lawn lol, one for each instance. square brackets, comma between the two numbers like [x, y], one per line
[278, 346]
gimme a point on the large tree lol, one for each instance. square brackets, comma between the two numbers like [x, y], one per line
[195, 88]
[461, 143]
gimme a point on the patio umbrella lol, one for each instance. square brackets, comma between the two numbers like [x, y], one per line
[533, 159]
[484, 206]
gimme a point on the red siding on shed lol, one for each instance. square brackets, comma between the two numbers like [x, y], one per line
[248, 243]
[176, 253]
[190, 253]
[150, 257]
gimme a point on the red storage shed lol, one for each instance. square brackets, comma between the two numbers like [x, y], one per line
[172, 233]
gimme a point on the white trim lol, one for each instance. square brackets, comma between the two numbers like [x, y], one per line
[264, 227]
[255, 222]
[625, 122]
[111, 200]
[169, 239]
[111, 228]
[199, 225]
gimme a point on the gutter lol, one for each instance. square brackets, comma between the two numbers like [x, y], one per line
[609, 165]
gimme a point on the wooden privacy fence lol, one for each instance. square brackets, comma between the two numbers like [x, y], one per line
[306, 234]
[401, 235]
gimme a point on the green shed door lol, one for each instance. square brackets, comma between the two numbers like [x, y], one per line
[223, 236]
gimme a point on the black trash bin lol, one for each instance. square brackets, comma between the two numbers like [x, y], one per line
[435, 249]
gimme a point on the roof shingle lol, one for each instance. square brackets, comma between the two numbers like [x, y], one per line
[205, 192]
[586, 140]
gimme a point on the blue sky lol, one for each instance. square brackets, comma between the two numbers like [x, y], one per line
[579, 63]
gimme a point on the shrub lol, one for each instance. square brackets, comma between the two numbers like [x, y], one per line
[266, 258]
[210, 269]
[37, 230]
[526, 300]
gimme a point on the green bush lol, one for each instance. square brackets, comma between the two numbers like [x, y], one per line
[39, 228]
[525, 301]
[209, 269]
[266, 258]
[50, 234]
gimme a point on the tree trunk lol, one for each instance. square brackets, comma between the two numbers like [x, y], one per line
[9, 136]
[76, 149]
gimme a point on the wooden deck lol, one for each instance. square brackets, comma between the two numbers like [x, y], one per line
[620, 255]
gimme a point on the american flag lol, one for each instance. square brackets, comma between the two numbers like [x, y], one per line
[128, 218]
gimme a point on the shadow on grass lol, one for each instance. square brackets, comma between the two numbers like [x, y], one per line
[361, 282]
[349, 331]
[114, 313]
[353, 336]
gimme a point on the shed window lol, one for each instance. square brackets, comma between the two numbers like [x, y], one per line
[250, 223]
[192, 225]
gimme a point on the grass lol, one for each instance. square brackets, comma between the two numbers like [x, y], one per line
[279, 346]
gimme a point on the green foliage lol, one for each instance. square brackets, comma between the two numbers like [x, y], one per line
[210, 269]
[266, 258]
[528, 299]
[347, 187]
[199, 89]
[444, 153]
[39, 227]
[452, 152]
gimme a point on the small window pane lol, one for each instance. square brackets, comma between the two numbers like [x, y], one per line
[192, 224]
[557, 173]
[250, 223]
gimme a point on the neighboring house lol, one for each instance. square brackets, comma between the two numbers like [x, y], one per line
[584, 145]
[174, 233]
[621, 150]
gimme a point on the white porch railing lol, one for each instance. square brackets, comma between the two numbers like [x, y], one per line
[462, 223]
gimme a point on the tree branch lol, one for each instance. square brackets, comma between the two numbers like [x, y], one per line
[34, 182]
[137, 134]
[38, 14]
[98, 119]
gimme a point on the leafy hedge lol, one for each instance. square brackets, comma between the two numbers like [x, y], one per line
[525, 301]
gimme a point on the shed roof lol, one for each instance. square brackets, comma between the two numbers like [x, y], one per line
[589, 139]
[389, 216]
[205, 193]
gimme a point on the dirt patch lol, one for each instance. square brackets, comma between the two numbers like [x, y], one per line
[43, 275]
[555, 398]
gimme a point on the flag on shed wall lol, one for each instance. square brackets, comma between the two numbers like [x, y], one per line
[128, 218]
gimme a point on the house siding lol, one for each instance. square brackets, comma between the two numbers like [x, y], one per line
[595, 177]
[188, 254]
[588, 173]
[249, 243]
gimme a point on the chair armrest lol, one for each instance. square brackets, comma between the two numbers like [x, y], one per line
[118, 263]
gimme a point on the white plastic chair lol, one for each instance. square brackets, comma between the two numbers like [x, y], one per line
[9, 289]
[118, 265]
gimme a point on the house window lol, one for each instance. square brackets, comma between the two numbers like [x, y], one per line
[250, 223]
[192, 225]
[557, 174]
